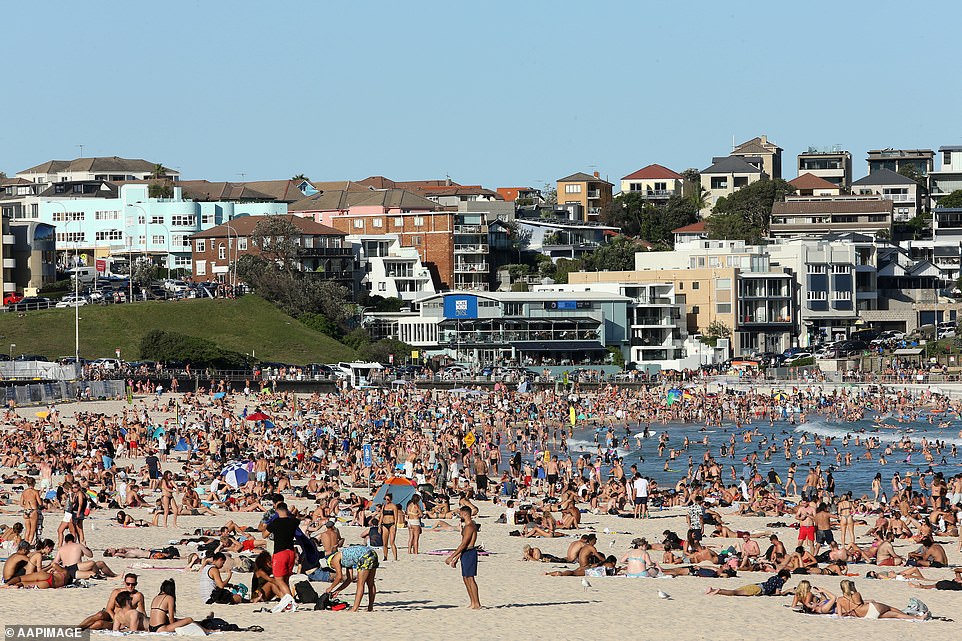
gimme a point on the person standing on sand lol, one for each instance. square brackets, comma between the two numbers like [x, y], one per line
[467, 554]
[30, 503]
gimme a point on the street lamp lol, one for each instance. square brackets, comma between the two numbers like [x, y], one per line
[146, 240]
[12, 345]
[232, 273]
[76, 281]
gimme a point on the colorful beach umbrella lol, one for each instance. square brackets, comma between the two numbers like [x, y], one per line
[780, 396]
[236, 474]
[674, 394]
[258, 416]
[42, 414]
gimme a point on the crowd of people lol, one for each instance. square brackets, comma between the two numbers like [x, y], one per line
[311, 464]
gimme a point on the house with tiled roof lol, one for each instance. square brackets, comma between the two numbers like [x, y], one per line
[727, 175]
[654, 182]
[108, 168]
[584, 195]
[694, 231]
[768, 151]
[890, 185]
[812, 185]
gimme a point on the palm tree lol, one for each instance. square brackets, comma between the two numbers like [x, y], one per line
[299, 177]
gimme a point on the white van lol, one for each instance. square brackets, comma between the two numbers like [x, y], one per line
[86, 275]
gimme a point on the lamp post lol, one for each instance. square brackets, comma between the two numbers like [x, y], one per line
[146, 240]
[12, 345]
[76, 283]
[232, 273]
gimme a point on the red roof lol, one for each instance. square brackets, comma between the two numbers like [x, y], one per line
[653, 172]
[811, 181]
[694, 228]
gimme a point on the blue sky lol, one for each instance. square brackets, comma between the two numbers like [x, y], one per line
[497, 93]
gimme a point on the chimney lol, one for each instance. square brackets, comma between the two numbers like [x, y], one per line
[764, 139]
[597, 175]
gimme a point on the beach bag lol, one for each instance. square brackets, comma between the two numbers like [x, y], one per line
[221, 596]
[305, 592]
[916, 607]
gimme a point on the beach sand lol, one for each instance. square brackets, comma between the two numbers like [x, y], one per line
[422, 598]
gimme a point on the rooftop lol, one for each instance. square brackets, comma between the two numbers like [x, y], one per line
[654, 172]
[811, 181]
[244, 226]
[694, 228]
[344, 200]
[581, 177]
[105, 163]
[731, 165]
[833, 207]
[884, 177]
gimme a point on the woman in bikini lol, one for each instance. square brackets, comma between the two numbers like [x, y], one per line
[163, 609]
[167, 502]
[57, 577]
[388, 518]
[813, 600]
[414, 514]
[851, 604]
[846, 522]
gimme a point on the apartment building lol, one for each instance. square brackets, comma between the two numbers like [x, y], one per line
[386, 268]
[654, 182]
[832, 165]
[904, 192]
[761, 147]
[322, 250]
[727, 175]
[100, 219]
[109, 169]
[588, 192]
[816, 216]
[921, 160]
[34, 254]
[949, 176]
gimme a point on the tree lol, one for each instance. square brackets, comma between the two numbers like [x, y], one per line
[616, 256]
[550, 194]
[952, 201]
[636, 216]
[277, 239]
[911, 171]
[746, 214]
[298, 177]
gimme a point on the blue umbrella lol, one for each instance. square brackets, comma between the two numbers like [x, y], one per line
[236, 474]
[220, 395]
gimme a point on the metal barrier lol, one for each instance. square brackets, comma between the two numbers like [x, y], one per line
[54, 391]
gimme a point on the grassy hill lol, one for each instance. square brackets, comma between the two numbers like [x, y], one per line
[243, 325]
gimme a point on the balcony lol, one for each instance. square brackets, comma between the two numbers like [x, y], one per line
[655, 194]
[471, 229]
[763, 319]
[594, 194]
[470, 268]
[9, 263]
[471, 249]
[339, 252]
[472, 286]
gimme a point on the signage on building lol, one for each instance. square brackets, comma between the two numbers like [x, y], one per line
[567, 305]
[461, 306]
[101, 265]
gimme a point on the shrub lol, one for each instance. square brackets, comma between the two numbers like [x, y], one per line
[158, 345]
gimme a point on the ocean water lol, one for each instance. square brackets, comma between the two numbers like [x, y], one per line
[856, 477]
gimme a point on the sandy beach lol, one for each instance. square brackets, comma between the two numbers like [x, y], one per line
[422, 598]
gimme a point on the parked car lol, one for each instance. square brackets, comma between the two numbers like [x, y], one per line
[453, 372]
[11, 298]
[107, 363]
[798, 356]
[31, 303]
[72, 300]
[32, 357]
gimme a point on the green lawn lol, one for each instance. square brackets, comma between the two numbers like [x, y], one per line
[243, 325]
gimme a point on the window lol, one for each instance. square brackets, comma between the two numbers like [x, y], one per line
[719, 182]
[67, 216]
[844, 294]
[723, 308]
[398, 221]
[572, 189]
[681, 286]
[723, 283]
[182, 261]
[694, 309]
[382, 286]
[207, 219]
[141, 240]
[841, 269]
[158, 239]
[183, 220]
[156, 220]
[242, 244]
[713, 261]
[419, 221]
[141, 220]
[946, 158]
[107, 215]
[110, 234]
[377, 222]
[72, 237]
[418, 239]
[358, 223]
[695, 285]
[817, 295]
[180, 241]
[816, 269]
[200, 267]
[201, 245]
[221, 252]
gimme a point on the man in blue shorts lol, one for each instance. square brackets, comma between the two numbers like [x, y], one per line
[467, 554]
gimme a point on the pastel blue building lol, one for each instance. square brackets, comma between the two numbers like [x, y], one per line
[103, 220]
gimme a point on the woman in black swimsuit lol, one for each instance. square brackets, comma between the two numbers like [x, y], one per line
[388, 517]
[163, 608]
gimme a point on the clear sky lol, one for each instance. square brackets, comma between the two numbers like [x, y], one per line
[496, 93]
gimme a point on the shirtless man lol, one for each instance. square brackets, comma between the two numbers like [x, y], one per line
[18, 563]
[932, 555]
[70, 556]
[126, 616]
[885, 553]
[805, 514]
[823, 527]
[330, 538]
[104, 619]
[31, 504]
